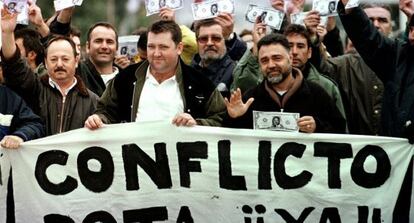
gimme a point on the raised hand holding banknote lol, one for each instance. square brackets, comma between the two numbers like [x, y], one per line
[235, 106]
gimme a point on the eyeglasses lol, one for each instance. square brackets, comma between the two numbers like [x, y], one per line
[214, 39]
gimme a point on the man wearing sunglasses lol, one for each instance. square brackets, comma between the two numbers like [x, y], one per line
[213, 59]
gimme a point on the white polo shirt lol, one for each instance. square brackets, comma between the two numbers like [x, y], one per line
[159, 101]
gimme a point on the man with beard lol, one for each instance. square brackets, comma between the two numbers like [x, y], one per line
[212, 59]
[284, 90]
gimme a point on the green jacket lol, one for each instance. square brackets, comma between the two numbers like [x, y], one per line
[202, 100]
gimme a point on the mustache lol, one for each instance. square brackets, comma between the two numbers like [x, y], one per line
[60, 69]
[210, 48]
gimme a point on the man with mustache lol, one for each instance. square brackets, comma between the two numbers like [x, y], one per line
[59, 98]
[284, 89]
[212, 59]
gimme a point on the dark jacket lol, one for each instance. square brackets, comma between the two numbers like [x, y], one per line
[16, 118]
[305, 98]
[360, 88]
[219, 72]
[91, 77]
[392, 61]
[47, 101]
[120, 101]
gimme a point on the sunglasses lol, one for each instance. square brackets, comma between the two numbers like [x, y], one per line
[214, 39]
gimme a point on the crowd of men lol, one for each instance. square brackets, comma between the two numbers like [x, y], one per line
[209, 75]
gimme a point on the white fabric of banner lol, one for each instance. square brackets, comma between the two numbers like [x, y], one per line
[290, 168]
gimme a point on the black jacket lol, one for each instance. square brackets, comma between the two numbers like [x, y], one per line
[309, 99]
[120, 101]
[16, 118]
[392, 61]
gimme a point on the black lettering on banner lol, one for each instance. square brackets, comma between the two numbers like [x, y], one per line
[282, 179]
[185, 215]
[158, 171]
[99, 216]
[96, 181]
[265, 152]
[53, 218]
[146, 215]
[46, 159]
[363, 212]
[334, 152]
[185, 151]
[290, 219]
[227, 180]
[330, 214]
[371, 180]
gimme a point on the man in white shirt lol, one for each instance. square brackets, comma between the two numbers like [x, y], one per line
[162, 88]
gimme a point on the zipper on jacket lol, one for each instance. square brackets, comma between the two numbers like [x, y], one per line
[132, 104]
[61, 113]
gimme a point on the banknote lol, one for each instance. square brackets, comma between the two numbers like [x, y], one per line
[211, 9]
[276, 121]
[352, 4]
[62, 4]
[15, 6]
[127, 45]
[325, 7]
[298, 18]
[324, 20]
[154, 6]
[268, 16]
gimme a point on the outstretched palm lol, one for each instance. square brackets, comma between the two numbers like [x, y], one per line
[236, 107]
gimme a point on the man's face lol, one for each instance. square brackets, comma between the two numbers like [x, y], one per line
[102, 46]
[211, 45]
[275, 63]
[61, 61]
[299, 50]
[163, 54]
[381, 18]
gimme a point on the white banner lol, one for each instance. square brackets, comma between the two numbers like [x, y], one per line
[159, 172]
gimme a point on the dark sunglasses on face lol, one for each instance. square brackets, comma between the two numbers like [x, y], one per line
[214, 39]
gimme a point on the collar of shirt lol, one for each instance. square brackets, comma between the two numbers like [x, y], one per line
[107, 77]
[55, 85]
[150, 77]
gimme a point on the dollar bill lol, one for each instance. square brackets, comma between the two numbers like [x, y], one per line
[276, 121]
[325, 7]
[298, 18]
[352, 4]
[154, 6]
[211, 9]
[268, 16]
[62, 4]
[324, 20]
[15, 6]
[127, 45]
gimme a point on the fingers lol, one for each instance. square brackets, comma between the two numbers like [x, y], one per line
[11, 142]
[122, 61]
[93, 122]
[307, 124]
[184, 119]
[249, 102]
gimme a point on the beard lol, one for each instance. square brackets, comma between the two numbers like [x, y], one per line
[271, 79]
